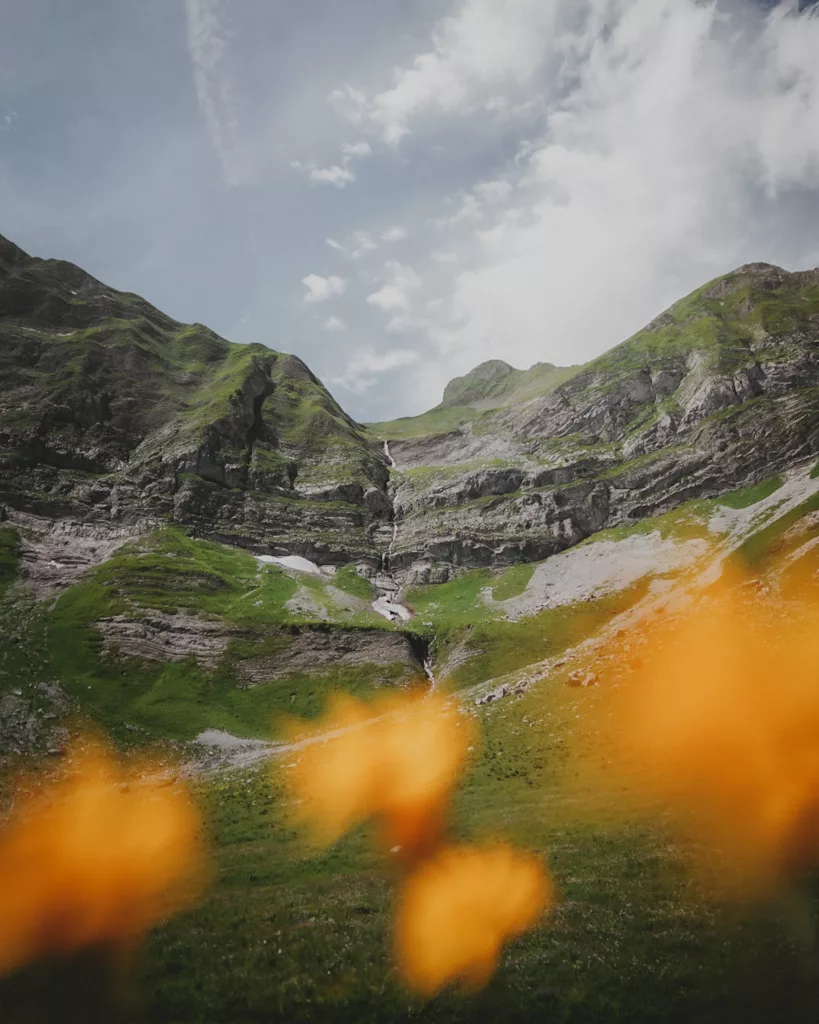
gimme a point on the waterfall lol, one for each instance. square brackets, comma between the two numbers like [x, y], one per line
[388, 454]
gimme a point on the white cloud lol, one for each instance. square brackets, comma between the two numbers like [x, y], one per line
[483, 45]
[356, 149]
[360, 243]
[334, 325]
[394, 295]
[493, 192]
[208, 39]
[671, 139]
[395, 234]
[363, 370]
[349, 102]
[469, 212]
[320, 289]
[401, 322]
[338, 177]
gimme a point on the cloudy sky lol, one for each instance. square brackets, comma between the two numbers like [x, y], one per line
[396, 190]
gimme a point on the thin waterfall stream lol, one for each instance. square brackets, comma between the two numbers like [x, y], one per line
[385, 604]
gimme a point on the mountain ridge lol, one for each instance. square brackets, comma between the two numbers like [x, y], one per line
[115, 414]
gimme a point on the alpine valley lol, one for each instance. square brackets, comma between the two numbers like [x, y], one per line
[197, 541]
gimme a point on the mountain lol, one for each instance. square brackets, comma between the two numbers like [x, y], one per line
[161, 487]
[717, 393]
[495, 384]
[115, 414]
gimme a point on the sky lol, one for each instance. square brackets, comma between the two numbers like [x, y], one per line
[398, 190]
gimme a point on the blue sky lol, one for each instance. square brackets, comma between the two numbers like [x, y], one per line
[399, 190]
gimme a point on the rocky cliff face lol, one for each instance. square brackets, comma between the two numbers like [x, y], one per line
[718, 393]
[112, 413]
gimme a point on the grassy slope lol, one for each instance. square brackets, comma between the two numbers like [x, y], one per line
[496, 385]
[719, 320]
[169, 573]
[721, 327]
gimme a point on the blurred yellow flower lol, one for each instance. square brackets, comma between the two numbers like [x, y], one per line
[395, 760]
[459, 908]
[97, 857]
[720, 723]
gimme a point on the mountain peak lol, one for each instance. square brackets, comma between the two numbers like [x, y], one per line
[495, 384]
[480, 383]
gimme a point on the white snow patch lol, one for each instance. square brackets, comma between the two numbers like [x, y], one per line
[295, 562]
[604, 567]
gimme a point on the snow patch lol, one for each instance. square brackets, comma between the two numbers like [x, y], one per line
[295, 562]
[603, 567]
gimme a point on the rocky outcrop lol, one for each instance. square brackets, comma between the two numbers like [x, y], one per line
[55, 554]
[155, 636]
[32, 721]
[312, 650]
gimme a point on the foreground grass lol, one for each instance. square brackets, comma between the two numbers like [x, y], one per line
[288, 934]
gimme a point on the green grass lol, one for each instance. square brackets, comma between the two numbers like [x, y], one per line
[770, 543]
[488, 645]
[9, 556]
[456, 603]
[348, 580]
[290, 934]
[747, 496]
[436, 421]
[170, 573]
[472, 401]
[496, 385]
[686, 522]
[495, 648]
[180, 700]
[814, 473]
[513, 582]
